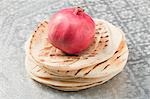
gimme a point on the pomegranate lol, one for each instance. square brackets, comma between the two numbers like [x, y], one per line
[71, 30]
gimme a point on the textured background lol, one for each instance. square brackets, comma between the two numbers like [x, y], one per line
[18, 18]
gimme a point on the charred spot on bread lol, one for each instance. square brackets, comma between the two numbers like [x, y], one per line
[106, 66]
[78, 71]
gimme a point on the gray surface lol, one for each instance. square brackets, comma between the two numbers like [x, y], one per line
[18, 18]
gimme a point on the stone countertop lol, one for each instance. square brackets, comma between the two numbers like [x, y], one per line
[18, 18]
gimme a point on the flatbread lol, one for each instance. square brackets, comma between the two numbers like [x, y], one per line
[90, 71]
[77, 86]
[46, 54]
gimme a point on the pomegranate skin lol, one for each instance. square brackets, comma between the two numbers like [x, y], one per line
[71, 30]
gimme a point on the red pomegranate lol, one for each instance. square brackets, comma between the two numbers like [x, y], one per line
[71, 30]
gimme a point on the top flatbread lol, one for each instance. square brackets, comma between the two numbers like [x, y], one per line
[107, 41]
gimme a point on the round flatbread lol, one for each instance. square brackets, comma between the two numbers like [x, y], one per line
[46, 54]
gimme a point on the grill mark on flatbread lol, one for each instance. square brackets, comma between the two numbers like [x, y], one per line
[51, 55]
[95, 50]
[116, 52]
[30, 48]
[32, 36]
[42, 25]
[46, 22]
[56, 54]
[99, 64]
[34, 67]
[47, 48]
[42, 30]
[86, 57]
[87, 72]
[97, 32]
[106, 66]
[31, 41]
[105, 36]
[39, 70]
[77, 71]
[106, 45]
[99, 28]
[51, 74]
[67, 60]
[120, 48]
[105, 32]
[122, 54]
[106, 40]
[55, 50]
[118, 57]
[92, 55]
[44, 54]
[74, 57]
[42, 60]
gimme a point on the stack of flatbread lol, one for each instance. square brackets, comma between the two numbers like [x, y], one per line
[104, 59]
